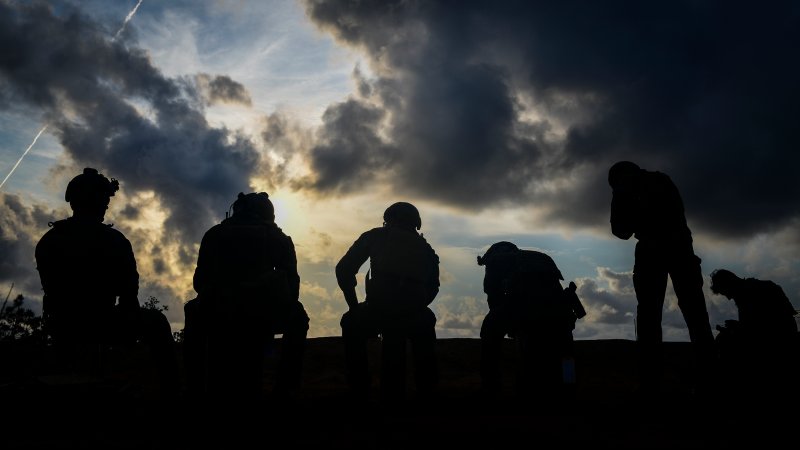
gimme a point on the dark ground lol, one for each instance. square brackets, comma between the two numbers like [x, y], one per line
[50, 410]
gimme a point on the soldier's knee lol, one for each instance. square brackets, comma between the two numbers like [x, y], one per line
[300, 319]
[356, 323]
[346, 321]
[350, 324]
[428, 318]
[297, 326]
[154, 323]
[492, 329]
[425, 331]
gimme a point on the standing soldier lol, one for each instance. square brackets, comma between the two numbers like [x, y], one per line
[647, 205]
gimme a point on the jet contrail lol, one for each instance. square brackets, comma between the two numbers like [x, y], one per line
[127, 19]
[23, 155]
[124, 22]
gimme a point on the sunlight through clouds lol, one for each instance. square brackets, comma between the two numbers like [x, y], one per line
[337, 110]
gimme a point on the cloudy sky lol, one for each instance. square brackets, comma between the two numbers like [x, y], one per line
[499, 120]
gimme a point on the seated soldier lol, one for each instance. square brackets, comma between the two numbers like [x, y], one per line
[527, 302]
[403, 280]
[91, 284]
[248, 290]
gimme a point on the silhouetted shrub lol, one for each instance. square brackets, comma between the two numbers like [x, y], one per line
[153, 303]
[19, 323]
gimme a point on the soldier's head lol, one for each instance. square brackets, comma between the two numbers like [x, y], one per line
[724, 282]
[623, 174]
[255, 206]
[404, 215]
[498, 250]
[89, 193]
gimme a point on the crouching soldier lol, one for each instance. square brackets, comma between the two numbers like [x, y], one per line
[527, 302]
[759, 351]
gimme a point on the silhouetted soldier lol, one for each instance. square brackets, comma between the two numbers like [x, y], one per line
[527, 302]
[402, 281]
[647, 205]
[248, 290]
[90, 282]
[759, 350]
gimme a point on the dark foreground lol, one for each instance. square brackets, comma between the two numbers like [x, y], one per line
[123, 410]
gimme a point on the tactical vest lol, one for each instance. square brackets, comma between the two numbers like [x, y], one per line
[402, 265]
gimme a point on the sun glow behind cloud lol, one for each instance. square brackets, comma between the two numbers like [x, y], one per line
[488, 148]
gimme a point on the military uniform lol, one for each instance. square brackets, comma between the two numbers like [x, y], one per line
[764, 310]
[402, 281]
[526, 301]
[759, 351]
[248, 291]
[652, 211]
[85, 266]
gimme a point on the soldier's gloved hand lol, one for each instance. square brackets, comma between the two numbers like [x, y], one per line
[128, 321]
[351, 299]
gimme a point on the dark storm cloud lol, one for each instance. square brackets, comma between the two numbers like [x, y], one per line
[615, 305]
[222, 89]
[705, 93]
[89, 87]
[130, 212]
[20, 228]
[350, 152]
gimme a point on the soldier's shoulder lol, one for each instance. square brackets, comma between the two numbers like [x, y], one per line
[113, 234]
[772, 286]
[215, 230]
[656, 177]
[758, 283]
[373, 233]
[50, 236]
[429, 247]
[54, 228]
[278, 233]
[109, 229]
[377, 231]
[662, 179]
[60, 226]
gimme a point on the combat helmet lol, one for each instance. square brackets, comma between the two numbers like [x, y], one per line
[498, 250]
[255, 205]
[403, 213]
[90, 186]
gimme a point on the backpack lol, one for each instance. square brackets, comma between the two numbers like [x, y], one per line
[403, 271]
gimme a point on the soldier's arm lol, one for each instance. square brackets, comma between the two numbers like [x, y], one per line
[288, 264]
[783, 300]
[206, 274]
[434, 290]
[129, 281]
[622, 214]
[202, 281]
[46, 275]
[199, 277]
[348, 266]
